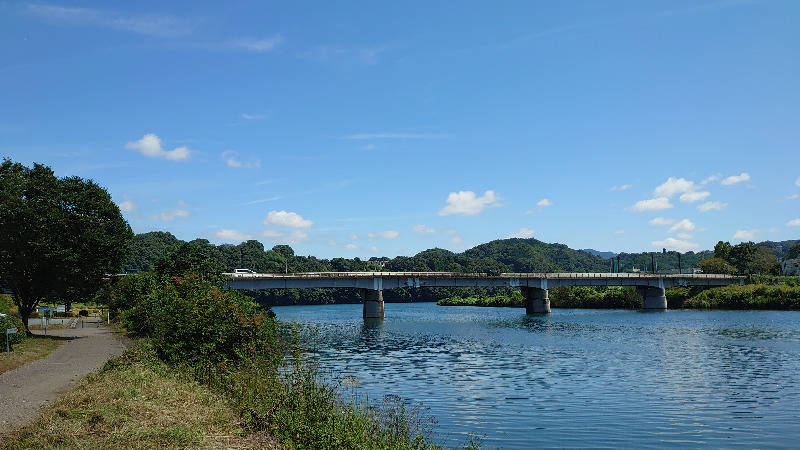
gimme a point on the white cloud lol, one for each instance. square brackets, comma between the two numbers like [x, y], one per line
[172, 215]
[733, 179]
[388, 234]
[685, 236]
[620, 188]
[287, 219]
[694, 196]
[126, 206]
[256, 45]
[675, 245]
[254, 116]
[797, 182]
[661, 222]
[351, 247]
[710, 179]
[674, 186]
[230, 158]
[793, 223]
[620, 231]
[524, 233]
[295, 237]
[708, 206]
[231, 235]
[544, 203]
[655, 204]
[791, 197]
[150, 145]
[468, 204]
[745, 235]
[367, 136]
[456, 240]
[682, 226]
[158, 25]
[422, 229]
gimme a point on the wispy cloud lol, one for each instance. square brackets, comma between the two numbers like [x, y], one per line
[745, 235]
[157, 25]
[231, 235]
[675, 245]
[712, 206]
[230, 157]
[620, 188]
[367, 136]
[172, 215]
[254, 116]
[255, 45]
[654, 204]
[523, 233]
[734, 179]
[793, 223]
[387, 234]
[126, 206]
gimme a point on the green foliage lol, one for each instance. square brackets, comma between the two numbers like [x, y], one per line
[191, 321]
[793, 252]
[723, 251]
[149, 248]
[513, 300]
[614, 297]
[7, 304]
[716, 265]
[60, 237]
[7, 322]
[191, 258]
[753, 296]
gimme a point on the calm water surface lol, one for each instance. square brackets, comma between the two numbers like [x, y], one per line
[574, 378]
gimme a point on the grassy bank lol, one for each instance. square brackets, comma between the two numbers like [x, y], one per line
[136, 401]
[213, 369]
[30, 349]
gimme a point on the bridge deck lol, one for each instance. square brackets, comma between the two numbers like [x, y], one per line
[390, 280]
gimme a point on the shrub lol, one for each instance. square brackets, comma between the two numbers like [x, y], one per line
[83, 313]
[191, 321]
[7, 322]
[753, 296]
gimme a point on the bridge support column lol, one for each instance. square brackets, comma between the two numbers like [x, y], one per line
[373, 304]
[652, 297]
[536, 300]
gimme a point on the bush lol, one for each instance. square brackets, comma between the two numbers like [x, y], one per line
[7, 322]
[83, 313]
[191, 321]
[752, 296]
[7, 305]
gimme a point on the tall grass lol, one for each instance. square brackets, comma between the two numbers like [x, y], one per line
[227, 342]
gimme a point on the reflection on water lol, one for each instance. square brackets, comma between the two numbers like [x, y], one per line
[576, 377]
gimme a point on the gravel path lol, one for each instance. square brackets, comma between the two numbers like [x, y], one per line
[25, 389]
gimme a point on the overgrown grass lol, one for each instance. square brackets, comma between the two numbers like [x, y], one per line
[137, 401]
[232, 346]
[33, 348]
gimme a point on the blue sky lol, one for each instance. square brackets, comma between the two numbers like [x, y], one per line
[387, 128]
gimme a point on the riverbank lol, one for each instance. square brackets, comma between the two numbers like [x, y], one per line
[753, 296]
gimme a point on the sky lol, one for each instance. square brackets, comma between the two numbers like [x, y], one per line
[363, 128]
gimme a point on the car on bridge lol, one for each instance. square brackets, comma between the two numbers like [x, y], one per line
[243, 271]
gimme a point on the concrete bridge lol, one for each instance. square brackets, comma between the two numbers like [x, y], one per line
[532, 285]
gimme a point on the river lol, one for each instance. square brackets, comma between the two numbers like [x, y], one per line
[574, 378]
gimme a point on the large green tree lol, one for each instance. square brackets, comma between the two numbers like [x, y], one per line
[59, 238]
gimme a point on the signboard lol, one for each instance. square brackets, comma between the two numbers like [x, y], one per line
[12, 330]
[61, 308]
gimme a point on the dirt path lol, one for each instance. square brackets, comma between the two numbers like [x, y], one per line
[25, 389]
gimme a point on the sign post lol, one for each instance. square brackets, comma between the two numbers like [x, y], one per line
[8, 339]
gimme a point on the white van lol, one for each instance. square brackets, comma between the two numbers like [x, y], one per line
[242, 271]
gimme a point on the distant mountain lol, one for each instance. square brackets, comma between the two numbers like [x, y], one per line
[604, 255]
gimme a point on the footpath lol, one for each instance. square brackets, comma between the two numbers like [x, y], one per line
[24, 390]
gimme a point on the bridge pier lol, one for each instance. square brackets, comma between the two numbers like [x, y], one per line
[373, 304]
[652, 297]
[536, 300]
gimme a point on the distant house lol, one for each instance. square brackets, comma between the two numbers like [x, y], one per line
[790, 267]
